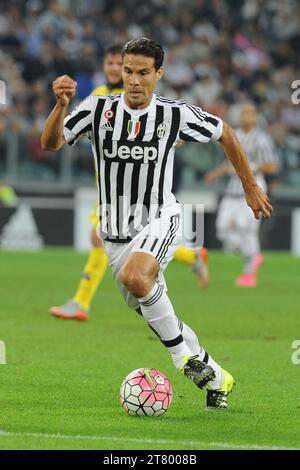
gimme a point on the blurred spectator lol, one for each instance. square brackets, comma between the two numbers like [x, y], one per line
[217, 56]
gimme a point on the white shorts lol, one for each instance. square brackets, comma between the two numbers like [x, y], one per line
[160, 239]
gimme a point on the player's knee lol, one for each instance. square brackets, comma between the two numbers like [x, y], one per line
[136, 282]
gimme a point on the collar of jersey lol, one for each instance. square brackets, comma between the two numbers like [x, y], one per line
[136, 113]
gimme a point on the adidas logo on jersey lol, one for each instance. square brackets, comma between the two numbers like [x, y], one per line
[130, 152]
[107, 126]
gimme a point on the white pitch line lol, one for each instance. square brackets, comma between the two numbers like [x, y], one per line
[196, 444]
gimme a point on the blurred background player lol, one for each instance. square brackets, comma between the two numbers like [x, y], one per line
[78, 307]
[236, 228]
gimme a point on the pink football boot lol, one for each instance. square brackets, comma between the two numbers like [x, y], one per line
[246, 280]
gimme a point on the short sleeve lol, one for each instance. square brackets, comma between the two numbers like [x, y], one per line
[79, 122]
[199, 126]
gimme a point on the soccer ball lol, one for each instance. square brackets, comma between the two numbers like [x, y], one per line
[146, 392]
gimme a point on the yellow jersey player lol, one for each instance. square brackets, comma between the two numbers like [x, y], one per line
[78, 307]
[95, 268]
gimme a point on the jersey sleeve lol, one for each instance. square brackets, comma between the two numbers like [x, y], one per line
[199, 126]
[79, 122]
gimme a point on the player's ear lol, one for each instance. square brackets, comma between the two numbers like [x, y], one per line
[159, 73]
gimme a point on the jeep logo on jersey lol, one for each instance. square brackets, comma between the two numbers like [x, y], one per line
[130, 152]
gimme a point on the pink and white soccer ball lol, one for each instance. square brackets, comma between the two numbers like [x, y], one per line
[146, 392]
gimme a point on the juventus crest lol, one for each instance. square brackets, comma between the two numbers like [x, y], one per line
[161, 130]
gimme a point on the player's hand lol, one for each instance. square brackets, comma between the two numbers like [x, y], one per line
[259, 202]
[64, 88]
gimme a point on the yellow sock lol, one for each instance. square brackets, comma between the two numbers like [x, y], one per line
[93, 273]
[183, 255]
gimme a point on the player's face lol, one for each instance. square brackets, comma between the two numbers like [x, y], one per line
[248, 116]
[112, 68]
[139, 78]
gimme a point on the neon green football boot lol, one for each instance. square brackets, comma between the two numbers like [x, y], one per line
[217, 399]
[198, 371]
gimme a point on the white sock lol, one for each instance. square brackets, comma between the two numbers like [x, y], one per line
[249, 265]
[191, 339]
[159, 313]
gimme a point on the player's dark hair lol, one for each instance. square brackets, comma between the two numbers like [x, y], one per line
[146, 47]
[113, 50]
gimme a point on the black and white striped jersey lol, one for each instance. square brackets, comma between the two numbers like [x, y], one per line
[260, 149]
[133, 152]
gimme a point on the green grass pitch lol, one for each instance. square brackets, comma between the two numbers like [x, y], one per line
[59, 388]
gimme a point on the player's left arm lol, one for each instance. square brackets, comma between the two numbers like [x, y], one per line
[255, 196]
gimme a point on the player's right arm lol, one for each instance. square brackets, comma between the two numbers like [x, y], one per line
[52, 138]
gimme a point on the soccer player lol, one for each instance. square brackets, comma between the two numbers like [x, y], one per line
[95, 268]
[133, 136]
[236, 228]
[78, 307]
